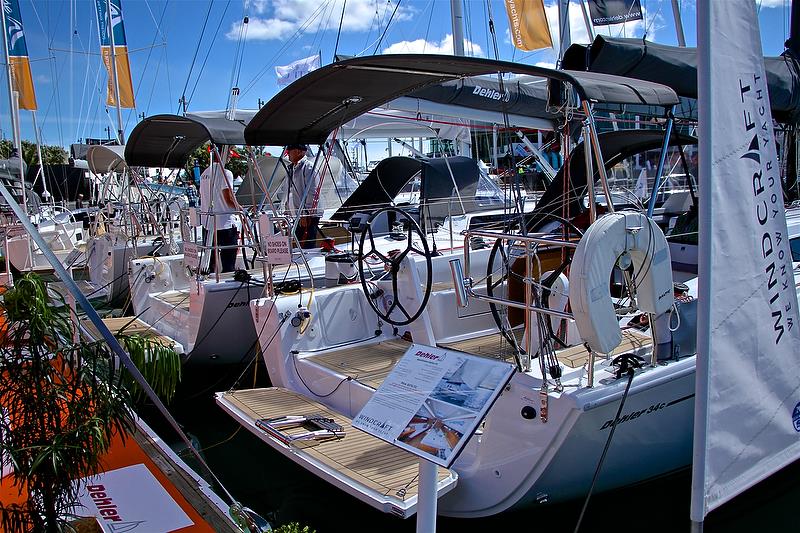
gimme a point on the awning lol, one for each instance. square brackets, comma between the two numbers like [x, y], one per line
[309, 109]
[615, 146]
[676, 67]
[104, 159]
[391, 174]
[168, 140]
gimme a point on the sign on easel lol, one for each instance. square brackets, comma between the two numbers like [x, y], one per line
[433, 401]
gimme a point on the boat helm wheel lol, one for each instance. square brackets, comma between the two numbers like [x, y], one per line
[498, 276]
[368, 252]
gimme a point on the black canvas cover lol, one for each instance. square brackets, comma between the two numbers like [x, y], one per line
[437, 186]
[615, 146]
[168, 140]
[309, 109]
[485, 94]
[677, 67]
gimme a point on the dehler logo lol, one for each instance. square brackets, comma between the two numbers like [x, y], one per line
[427, 355]
[109, 512]
[491, 94]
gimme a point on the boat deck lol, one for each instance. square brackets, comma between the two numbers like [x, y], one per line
[129, 326]
[382, 468]
[371, 364]
[178, 299]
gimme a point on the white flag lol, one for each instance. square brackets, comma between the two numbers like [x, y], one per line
[640, 190]
[293, 71]
[747, 417]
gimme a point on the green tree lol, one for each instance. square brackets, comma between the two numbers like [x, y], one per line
[237, 165]
[52, 155]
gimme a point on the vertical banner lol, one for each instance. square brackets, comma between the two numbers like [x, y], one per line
[297, 69]
[120, 52]
[528, 24]
[19, 64]
[605, 12]
[747, 405]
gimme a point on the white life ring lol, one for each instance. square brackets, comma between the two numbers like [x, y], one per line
[598, 251]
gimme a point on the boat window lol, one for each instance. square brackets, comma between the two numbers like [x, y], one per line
[795, 246]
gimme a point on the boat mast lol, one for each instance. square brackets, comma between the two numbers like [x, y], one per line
[676, 14]
[120, 132]
[13, 99]
[458, 27]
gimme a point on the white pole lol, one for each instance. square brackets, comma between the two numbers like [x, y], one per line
[426, 503]
[676, 14]
[14, 109]
[587, 21]
[46, 194]
[564, 37]
[697, 511]
[457, 15]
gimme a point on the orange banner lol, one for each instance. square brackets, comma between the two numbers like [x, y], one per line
[23, 82]
[528, 24]
[123, 77]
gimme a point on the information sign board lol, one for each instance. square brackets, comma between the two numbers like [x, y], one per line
[279, 250]
[433, 401]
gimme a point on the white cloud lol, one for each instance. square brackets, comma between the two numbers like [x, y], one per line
[772, 3]
[421, 46]
[359, 15]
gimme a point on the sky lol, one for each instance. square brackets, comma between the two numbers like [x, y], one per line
[199, 49]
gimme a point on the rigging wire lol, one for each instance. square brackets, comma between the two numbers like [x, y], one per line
[237, 58]
[282, 49]
[208, 52]
[387, 26]
[428, 28]
[194, 58]
[339, 31]
[132, 112]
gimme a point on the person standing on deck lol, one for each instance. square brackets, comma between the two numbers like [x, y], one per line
[302, 181]
[216, 195]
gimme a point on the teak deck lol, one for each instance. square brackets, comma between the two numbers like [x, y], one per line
[131, 327]
[373, 463]
[177, 299]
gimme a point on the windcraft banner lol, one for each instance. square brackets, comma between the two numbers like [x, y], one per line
[124, 81]
[605, 12]
[21, 77]
[297, 69]
[747, 416]
[528, 24]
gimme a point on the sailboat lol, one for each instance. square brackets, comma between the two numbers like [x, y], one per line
[543, 437]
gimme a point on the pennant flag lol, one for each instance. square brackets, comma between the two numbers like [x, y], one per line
[293, 71]
[528, 24]
[605, 12]
[124, 81]
[21, 77]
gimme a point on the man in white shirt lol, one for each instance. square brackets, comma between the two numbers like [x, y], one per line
[302, 183]
[216, 196]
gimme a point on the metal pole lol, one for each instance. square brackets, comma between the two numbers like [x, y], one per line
[587, 21]
[457, 16]
[587, 156]
[14, 109]
[120, 132]
[598, 155]
[676, 14]
[667, 133]
[45, 193]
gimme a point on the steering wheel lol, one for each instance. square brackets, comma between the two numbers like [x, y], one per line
[492, 284]
[391, 263]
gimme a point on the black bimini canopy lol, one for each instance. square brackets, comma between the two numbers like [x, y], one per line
[168, 140]
[615, 146]
[309, 109]
[676, 67]
[391, 174]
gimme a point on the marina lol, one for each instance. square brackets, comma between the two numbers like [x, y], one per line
[562, 293]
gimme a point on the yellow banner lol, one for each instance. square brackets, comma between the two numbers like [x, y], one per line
[123, 77]
[23, 82]
[528, 24]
